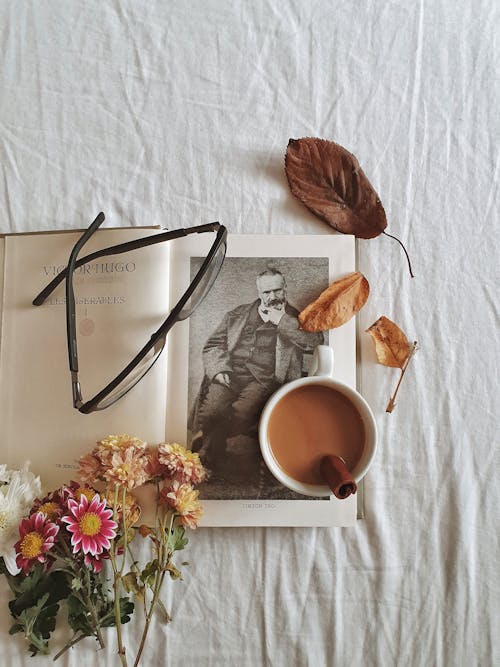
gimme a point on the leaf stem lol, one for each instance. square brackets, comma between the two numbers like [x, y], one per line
[68, 646]
[404, 249]
[392, 400]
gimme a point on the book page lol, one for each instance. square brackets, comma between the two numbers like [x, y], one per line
[2, 256]
[120, 301]
[248, 495]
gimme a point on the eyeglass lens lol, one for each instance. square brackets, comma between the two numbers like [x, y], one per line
[205, 284]
[133, 378]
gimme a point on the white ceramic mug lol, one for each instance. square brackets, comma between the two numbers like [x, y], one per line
[321, 373]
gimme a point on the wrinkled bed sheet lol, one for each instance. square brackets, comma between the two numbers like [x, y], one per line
[179, 113]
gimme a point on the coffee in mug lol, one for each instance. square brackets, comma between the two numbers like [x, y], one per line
[309, 423]
[317, 435]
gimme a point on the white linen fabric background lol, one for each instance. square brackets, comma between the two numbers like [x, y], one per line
[179, 114]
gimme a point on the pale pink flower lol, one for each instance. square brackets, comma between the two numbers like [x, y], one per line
[128, 468]
[37, 535]
[184, 500]
[90, 524]
[181, 463]
[90, 468]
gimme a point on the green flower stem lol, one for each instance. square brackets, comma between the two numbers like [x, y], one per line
[149, 615]
[125, 531]
[116, 581]
[86, 597]
[135, 569]
[118, 620]
[163, 557]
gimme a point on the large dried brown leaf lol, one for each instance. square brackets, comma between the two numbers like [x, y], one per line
[328, 180]
[391, 345]
[337, 304]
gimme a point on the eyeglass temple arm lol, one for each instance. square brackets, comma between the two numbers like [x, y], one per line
[122, 248]
[70, 310]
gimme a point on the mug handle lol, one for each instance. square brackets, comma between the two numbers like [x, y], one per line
[322, 361]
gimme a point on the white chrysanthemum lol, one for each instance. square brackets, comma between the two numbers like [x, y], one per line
[16, 499]
[4, 474]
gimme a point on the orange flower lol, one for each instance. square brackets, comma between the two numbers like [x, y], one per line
[181, 463]
[112, 444]
[51, 510]
[184, 500]
[154, 468]
[127, 467]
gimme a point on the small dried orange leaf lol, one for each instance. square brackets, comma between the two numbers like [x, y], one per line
[337, 304]
[391, 345]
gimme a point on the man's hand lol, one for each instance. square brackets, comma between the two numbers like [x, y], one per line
[276, 313]
[223, 378]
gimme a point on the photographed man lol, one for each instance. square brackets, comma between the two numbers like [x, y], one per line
[257, 347]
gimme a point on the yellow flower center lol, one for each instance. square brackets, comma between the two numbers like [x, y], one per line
[122, 471]
[31, 545]
[50, 509]
[85, 491]
[90, 523]
[3, 520]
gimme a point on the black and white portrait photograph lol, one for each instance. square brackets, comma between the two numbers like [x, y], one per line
[244, 343]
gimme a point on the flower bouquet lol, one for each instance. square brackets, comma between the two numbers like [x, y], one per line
[75, 544]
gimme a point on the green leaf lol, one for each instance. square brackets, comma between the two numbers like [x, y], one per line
[15, 628]
[131, 584]
[165, 615]
[126, 610]
[178, 539]
[37, 623]
[149, 572]
[30, 588]
[173, 571]
[46, 621]
[76, 584]
[79, 618]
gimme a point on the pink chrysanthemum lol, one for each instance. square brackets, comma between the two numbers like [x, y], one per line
[90, 524]
[95, 562]
[37, 535]
[181, 463]
[184, 500]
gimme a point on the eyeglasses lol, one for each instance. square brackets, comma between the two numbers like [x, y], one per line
[149, 354]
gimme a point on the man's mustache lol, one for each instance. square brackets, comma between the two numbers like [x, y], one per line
[276, 302]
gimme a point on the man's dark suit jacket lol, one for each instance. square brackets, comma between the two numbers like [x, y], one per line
[291, 343]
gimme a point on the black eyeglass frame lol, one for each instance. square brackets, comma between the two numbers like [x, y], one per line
[67, 274]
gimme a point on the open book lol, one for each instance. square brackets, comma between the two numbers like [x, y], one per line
[120, 302]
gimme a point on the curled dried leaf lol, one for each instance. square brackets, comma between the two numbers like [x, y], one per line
[337, 304]
[391, 345]
[392, 349]
[328, 180]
